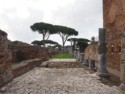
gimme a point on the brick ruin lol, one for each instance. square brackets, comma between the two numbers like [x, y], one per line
[91, 52]
[5, 59]
[114, 23]
[20, 53]
[26, 55]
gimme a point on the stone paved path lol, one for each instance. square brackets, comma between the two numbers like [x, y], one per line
[59, 81]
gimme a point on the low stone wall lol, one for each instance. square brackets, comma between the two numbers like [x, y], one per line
[20, 53]
[62, 63]
[25, 66]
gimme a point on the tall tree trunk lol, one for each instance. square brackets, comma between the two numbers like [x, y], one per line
[63, 46]
[71, 46]
[43, 41]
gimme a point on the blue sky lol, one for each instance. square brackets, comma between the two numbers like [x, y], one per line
[16, 17]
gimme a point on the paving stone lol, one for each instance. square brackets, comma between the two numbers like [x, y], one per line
[59, 81]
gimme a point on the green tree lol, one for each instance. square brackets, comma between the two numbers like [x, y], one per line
[36, 42]
[58, 46]
[52, 44]
[44, 42]
[43, 28]
[49, 42]
[65, 33]
[80, 42]
[73, 42]
[82, 45]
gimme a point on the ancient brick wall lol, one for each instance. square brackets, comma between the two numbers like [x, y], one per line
[114, 23]
[5, 59]
[20, 53]
[10, 53]
[91, 52]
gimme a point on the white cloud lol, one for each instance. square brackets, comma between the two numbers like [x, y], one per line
[84, 15]
[16, 17]
[23, 13]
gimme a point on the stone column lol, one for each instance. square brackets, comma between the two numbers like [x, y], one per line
[91, 64]
[102, 57]
[81, 57]
[122, 65]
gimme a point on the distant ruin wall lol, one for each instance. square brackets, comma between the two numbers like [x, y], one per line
[20, 53]
[5, 60]
[114, 23]
[91, 52]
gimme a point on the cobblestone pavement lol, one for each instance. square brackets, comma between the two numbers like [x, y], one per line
[59, 81]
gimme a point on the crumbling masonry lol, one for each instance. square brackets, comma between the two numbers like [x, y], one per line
[5, 59]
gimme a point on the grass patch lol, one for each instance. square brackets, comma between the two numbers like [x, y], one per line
[62, 56]
[13, 65]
